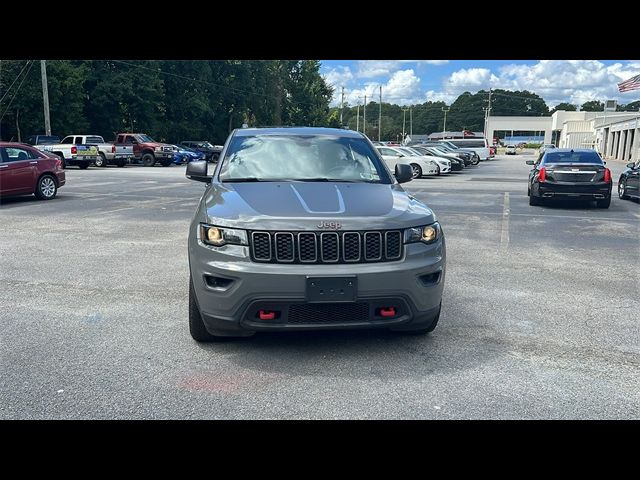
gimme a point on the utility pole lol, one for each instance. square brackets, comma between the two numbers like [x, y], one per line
[404, 121]
[364, 116]
[341, 107]
[411, 122]
[444, 126]
[380, 115]
[358, 116]
[45, 96]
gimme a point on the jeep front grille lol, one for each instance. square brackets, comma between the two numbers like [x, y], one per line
[326, 247]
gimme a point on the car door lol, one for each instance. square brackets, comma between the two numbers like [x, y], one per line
[18, 170]
[633, 181]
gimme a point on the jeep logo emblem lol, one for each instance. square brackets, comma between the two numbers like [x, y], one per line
[329, 225]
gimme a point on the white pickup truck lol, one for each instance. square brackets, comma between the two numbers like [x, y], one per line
[83, 150]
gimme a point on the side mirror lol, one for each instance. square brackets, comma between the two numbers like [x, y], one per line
[530, 162]
[198, 171]
[403, 173]
[400, 156]
[631, 165]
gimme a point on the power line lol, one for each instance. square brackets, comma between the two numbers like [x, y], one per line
[15, 80]
[14, 95]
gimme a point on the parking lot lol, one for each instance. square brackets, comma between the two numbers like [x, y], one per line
[540, 312]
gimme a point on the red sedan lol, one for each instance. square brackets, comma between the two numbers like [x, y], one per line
[25, 170]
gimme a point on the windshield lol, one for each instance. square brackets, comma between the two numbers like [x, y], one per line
[572, 157]
[42, 139]
[301, 158]
[145, 139]
[408, 151]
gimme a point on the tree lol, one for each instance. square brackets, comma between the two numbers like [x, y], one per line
[592, 106]
[568, 107]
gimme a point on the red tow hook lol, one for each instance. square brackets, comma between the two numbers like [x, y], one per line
[266, 315]
[388, 312]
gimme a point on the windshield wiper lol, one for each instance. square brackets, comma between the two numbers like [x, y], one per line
[241, 179]
[324, 179]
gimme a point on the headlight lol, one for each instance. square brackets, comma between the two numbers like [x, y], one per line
[426, 234]
[218, 236]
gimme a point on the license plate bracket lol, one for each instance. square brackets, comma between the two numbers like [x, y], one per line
[331, 289]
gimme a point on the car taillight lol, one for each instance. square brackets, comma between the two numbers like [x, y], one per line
[542, 175]
[607, 175]
[74, 150]
[113, 149]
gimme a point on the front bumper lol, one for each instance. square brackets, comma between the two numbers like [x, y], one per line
[413, 285]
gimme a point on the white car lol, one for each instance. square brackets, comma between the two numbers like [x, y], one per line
[420, 165]
[511, 150]
[443, 163]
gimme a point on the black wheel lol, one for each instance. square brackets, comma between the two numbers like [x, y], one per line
[196, 325]
[622, 190]
[476, 161]
[417, 171]
[148, 160]
[120, 163]
[101, 161]
[533, 200]
[167, 163]
[84, 165]
[604, 203]
[428, 329]
[46, 188]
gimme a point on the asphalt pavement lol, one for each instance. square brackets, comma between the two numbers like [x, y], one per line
[540, 313]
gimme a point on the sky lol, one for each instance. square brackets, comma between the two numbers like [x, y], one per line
[407, 82]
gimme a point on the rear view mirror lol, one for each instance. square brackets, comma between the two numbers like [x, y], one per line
[198, 171]
[403, 172]
[530, 162]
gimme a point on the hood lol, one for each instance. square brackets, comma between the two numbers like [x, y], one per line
[303, 206]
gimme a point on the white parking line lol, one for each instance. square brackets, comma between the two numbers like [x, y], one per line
[504, 236]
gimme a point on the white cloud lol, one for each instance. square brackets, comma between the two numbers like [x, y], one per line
[379, 68]
[338, 76]
[574, 81]
[403, 87]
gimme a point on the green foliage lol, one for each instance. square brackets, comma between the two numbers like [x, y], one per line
[170, 100]
[592, 106]
[567, 107]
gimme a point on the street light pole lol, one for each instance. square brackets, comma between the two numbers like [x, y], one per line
[341, 107]
[45, 96]
[358, 116]
[364, 116]
[404, 120]
[444, 126]
[410, 122]
[380, 115]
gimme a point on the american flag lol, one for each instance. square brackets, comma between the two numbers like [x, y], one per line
[632, 84]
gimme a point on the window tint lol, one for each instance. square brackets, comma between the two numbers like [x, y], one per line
[95, 139]
[79, 141]
[388, 152]
[572, 157]
[67, 141]
[17, 154]
[129, 139]
[469, 143]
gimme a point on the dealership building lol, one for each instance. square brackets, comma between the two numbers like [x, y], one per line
[616, 135]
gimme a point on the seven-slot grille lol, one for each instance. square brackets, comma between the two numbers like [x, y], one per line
[326, 247]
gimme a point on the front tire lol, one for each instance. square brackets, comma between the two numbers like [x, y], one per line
[196, 325]
[84, 165]
[417, 171]
[120, 163]
[604, 203]
[46, 189]
[622, 190]
[533, 200]
[167, 163]
[148, 160]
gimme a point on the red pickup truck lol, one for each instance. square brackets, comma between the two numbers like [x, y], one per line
[143, 148]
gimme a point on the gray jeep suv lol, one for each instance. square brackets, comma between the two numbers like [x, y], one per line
[306, 229]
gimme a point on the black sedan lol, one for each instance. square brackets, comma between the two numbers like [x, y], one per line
[629, 182]
[570, 173]
[457, 163]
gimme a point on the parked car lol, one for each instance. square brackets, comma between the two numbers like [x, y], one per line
[212, 152]
[139, 147]
[307, 229]
[74, 151]
[546, 146]
[185, 155]
[478, 145]
[629, 181]
[457, 163]
[43, 139]
[25, 170]
[469, 157]
[575, 173]
[444, 165]
[419, 165]
[511, 150]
